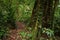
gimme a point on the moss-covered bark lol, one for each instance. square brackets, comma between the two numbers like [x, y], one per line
[36, 19]
[47, 7]
[47, 13]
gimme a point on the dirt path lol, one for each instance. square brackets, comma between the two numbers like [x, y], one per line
[14, 33]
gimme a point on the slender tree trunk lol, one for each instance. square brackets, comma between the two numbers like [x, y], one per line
[46, 18]
[35, 19]
[48, 13]
[35, 13]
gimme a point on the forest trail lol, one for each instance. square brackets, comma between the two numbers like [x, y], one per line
[14, 33]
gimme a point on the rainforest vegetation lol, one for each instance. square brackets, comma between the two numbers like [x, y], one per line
[29, 19]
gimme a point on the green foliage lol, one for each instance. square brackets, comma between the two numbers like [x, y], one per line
[49, 32]
[25, 35]
[57, 20]
[8, 11]
[25, 8]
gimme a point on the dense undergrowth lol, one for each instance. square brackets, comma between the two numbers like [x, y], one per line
[25, 8]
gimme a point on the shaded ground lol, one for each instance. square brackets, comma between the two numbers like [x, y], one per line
[14, 33]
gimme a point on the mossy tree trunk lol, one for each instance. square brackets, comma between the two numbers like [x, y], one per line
[47, 8]
[47, 13]
[35, 14]
[36, 19]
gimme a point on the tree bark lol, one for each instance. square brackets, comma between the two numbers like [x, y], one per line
[47, 13]
[35, 19]
[46, 7]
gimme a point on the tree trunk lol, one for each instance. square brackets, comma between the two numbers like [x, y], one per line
[47, 13]
[46, 7]
[35, 19]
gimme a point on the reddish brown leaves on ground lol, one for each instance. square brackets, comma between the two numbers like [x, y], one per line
[14, 33]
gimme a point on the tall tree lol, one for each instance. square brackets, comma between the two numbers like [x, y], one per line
[35, 19]
[48, 8]
[48, 13]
